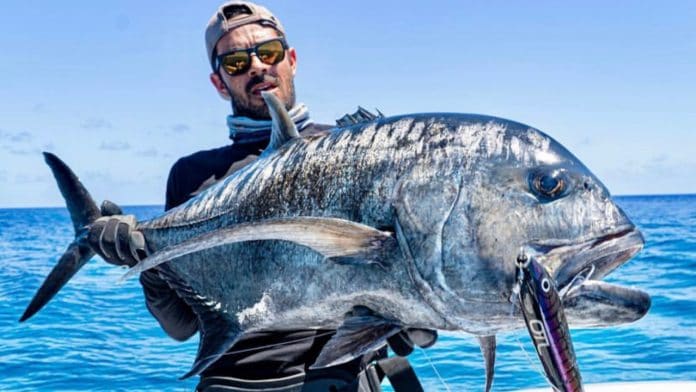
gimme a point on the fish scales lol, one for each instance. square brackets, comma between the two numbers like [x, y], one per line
[352, 179]
[373, 150]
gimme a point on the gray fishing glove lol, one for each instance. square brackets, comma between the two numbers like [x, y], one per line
[402, 343]
[114, 238]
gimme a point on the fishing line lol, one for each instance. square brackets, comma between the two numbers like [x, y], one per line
[432, 365]
[534, 364]
[577, 281]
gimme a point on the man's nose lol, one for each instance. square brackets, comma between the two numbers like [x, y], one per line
[257, 66]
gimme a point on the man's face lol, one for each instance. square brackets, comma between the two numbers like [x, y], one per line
[245, 89]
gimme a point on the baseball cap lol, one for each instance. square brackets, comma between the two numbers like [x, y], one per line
[233, 14]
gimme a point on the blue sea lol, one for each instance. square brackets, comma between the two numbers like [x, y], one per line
[97, 335]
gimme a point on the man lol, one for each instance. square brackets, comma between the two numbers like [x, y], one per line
[248, 53]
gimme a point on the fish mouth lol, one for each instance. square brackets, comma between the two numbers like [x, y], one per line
[578, 269]
[601, 304]
[597, 256]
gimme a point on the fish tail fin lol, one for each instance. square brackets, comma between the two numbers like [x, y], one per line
[83, 211]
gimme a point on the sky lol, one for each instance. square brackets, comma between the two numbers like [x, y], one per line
[120, 90]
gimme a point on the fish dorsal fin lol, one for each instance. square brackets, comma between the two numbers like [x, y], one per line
[339, 240]
[362, 331]
[360, 116]
[488, 350]
[283, 129]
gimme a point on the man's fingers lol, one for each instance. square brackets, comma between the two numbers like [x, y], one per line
[125, 252]
[109, 208]
[423, 338]
[122, 237]
[137, 245]
[113, 238]
[401, 344]
[108, 241]
[94, 235]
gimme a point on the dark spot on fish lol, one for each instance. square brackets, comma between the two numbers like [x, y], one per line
[322, 143]
[441, 143]
[374, 135]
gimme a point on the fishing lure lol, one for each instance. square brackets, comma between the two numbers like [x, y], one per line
[546, 323]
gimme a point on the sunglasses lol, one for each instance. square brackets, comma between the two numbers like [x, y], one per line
[238, 61]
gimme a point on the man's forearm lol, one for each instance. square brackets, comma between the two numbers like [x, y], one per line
[174, 315]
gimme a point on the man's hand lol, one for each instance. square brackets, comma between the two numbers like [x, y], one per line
[114, 239]
[402, 343]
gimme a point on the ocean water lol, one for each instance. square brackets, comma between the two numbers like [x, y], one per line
[97, 335]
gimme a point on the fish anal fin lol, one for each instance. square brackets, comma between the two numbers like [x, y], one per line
[361, 332]
[218, 329]
[488, 345]
[217, 335]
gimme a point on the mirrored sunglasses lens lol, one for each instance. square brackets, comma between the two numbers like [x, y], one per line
[235, 63]
[271, 52]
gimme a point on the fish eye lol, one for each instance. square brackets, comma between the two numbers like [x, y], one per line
[549, 186]
[545, 285]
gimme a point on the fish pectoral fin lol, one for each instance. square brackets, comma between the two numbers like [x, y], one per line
[219, 330]
[339, 240]
[362, 331]
[488, 350]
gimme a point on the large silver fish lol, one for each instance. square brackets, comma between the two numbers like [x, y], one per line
[409, 221]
